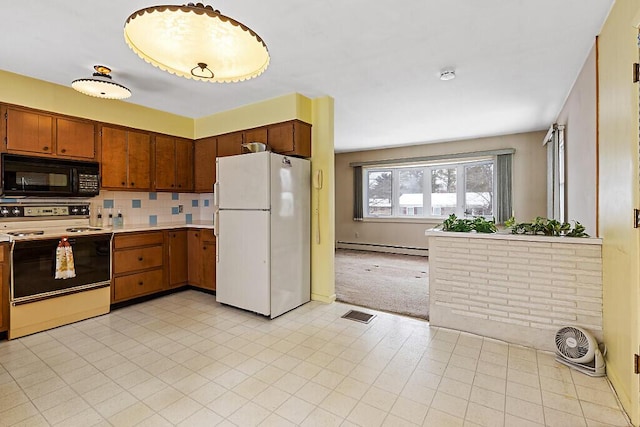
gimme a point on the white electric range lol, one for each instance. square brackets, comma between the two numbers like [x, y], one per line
[39, 300]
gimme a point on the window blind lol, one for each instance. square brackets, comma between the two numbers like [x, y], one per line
[504, 203]
[357, 194]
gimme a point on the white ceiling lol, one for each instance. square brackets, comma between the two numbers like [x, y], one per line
[515, 60]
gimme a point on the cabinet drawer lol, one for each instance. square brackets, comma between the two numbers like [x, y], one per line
[137, 239]
[134, 285]
[137, 259]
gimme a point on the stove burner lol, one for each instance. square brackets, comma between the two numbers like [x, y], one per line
[81, 229]
[25, 233]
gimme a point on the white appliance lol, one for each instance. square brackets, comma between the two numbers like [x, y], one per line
[263, 229]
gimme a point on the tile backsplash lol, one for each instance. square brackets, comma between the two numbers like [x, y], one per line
[144, 208]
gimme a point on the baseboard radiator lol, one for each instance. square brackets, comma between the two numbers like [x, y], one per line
[375, 247]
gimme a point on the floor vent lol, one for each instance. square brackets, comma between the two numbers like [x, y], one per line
[359, 316]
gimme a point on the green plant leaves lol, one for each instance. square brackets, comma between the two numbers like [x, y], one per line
[478, 224]
[546, 227]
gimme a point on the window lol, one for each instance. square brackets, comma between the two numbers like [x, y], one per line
[432, 190]
[556, 203]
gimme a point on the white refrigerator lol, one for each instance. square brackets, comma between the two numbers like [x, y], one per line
[263, 227]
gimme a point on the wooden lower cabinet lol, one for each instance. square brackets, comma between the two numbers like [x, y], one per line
[148, 262]
[202, 258]
[178, 258]
[4, 287]
[138, 265]
[137, 284]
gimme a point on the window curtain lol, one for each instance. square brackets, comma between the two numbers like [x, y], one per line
[357, 194]
[504, 177]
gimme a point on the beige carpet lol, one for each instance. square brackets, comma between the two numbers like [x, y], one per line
[388, 282]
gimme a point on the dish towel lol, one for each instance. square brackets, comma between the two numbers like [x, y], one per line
[65, 268]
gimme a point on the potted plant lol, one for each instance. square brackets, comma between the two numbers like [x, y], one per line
[478, 224]
[546, 227]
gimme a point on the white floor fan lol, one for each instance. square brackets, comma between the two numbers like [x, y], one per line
[578, 349]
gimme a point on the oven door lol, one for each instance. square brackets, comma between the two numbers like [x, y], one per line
[33, 267]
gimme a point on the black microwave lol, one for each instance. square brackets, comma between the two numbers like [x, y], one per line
[47, 177]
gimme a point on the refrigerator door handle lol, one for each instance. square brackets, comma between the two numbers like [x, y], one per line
[216, 196]
[216, 223]
[217, 252]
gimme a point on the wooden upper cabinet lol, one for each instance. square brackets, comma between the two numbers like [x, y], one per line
[174, 163]
[139, 160]
[230, 144]
[293, 138]
[204, 164]
[165, 163]
[184, 164]
[75, 138]
[254, 135]
[113, 162]
[125, 159]
[35, 133]
[29, 132]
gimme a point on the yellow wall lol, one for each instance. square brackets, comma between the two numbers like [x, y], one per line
[529, 187]
[280, 109]
[28, 92]
[619, 189]
[322, 203]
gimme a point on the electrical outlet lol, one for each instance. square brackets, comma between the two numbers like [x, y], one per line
[357, 234]
[180, 208]
[636, 218]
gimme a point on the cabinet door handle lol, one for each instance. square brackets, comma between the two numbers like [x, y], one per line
[133, 183]
[45, 148]
[140, 258]
[140, 283]
[204, 248]
[124, 183]
[63, 150]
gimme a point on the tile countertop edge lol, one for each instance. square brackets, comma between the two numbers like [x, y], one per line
[502, 235]
[161, 226]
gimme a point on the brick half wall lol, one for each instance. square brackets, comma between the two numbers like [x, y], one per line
[520, 289]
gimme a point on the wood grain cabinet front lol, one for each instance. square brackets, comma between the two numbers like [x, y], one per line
[178, 258]
[38, 133]
[229, 144]
[138, 265]
[174, 164]
[204, 164]
[202, 258]
[125, 159]
[135, 285]
[292, 138]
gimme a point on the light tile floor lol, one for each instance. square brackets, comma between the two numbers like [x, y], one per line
[185, 360]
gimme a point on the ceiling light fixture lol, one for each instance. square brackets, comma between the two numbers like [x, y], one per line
[101, 85]
[197, 42]
[447, 75]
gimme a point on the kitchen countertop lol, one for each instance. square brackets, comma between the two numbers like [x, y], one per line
[162, 226]
[60, 231]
